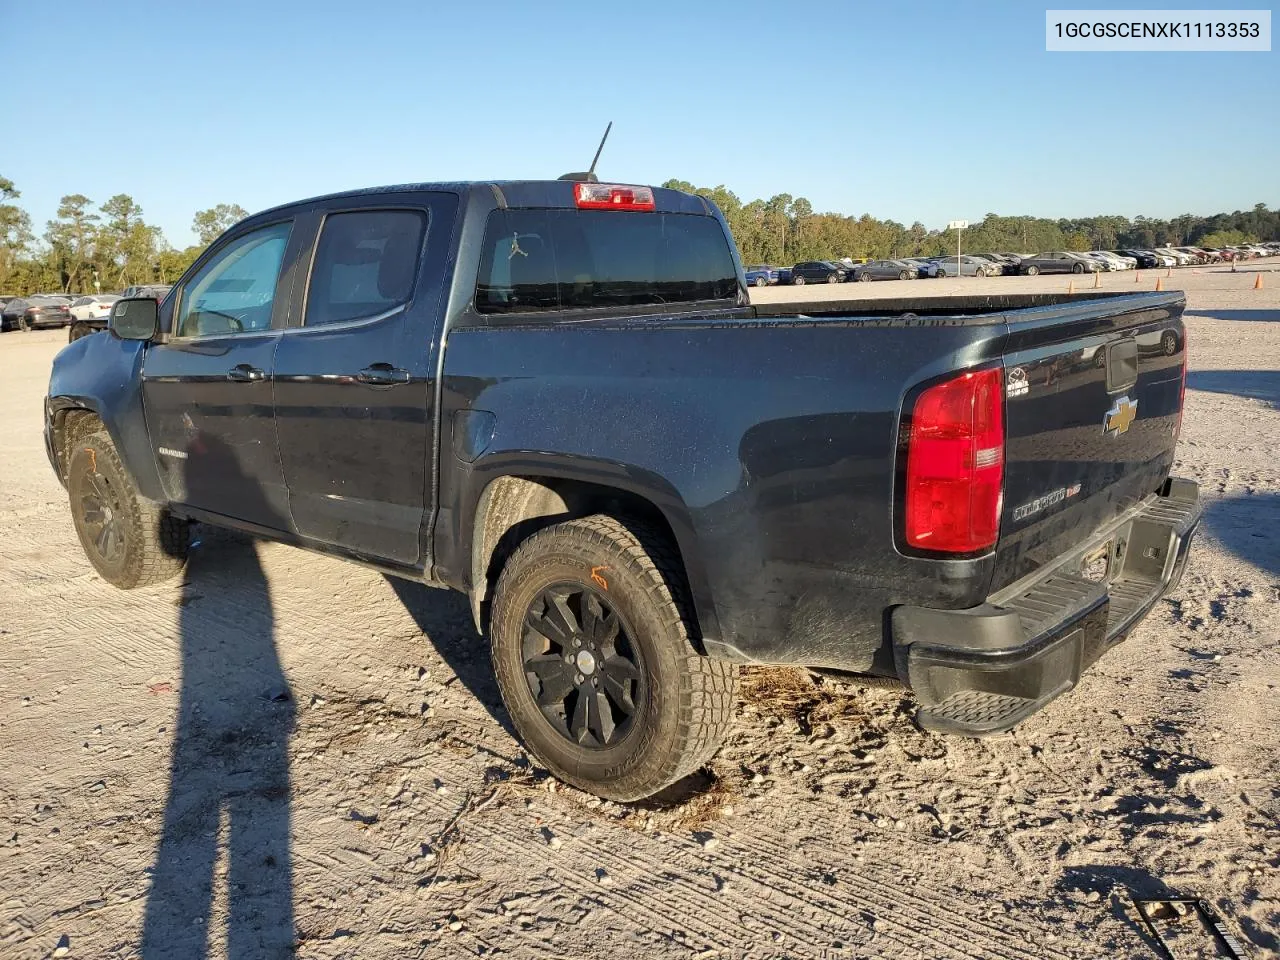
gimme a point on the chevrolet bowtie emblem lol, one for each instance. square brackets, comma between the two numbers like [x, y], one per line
[1122, 413]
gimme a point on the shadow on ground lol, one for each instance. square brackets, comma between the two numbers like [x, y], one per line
[1246, 524]
[1253, 384]
[444, 617]
[1257, 316]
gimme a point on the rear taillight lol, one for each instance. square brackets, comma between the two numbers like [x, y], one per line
[955, 464]
[1182, 390]
[612, 196]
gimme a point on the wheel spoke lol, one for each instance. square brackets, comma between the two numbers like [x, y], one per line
[592, 614]
[578, 729]
[104, 539]
[555, 677]
[601, 717]
[620, 693]
[556, 622]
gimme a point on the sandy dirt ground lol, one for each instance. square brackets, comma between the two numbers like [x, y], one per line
[284, 755]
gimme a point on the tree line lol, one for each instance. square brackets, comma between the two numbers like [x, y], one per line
[112, 244]
[89, 246]
[785, 230]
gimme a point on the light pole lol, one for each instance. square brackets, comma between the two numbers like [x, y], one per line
[957, 226]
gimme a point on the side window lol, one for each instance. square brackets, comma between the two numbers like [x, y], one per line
[234, 292]
[365, 264]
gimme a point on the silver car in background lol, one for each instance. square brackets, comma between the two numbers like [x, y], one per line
[884, 270]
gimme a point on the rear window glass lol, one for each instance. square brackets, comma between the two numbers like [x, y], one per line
[537, 260]
[365, 264]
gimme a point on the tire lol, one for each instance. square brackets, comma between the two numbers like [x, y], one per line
[761, 282]
[903, 275]
[833, 278]
[681, 701]
[23, 325]
[864, 277]
[1169, 343]
[1078, 268]
[146, 544]
[1033, 271]
[77, 331]
[798, 280]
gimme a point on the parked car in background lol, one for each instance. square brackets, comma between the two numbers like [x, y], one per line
[884, 270]
[968, 266]
[784, 275]
[1060, 261]
[1179, 259]
[762, 275]
[156, 291]
[1118, 261]
[1108, 266]
[1143, 259]
[924, 267]
[27, 313]
[817, 271]
[95, 307]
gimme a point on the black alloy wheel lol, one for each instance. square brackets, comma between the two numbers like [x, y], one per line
[583, 671]
[102, 512]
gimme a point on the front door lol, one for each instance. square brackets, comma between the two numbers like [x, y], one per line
[355, 376]
[208, 390]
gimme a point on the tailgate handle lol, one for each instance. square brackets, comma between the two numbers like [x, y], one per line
[1122, 364]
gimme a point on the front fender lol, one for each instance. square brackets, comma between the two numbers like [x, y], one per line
[103, 374]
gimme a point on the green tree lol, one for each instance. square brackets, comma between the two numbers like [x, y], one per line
[15, 230]
[71, 238]
[1226, 238]
[130, 248]
[209, 224]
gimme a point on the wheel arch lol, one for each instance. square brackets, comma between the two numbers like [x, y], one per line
[512, 504]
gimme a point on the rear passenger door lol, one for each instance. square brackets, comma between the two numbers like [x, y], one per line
[355, 375]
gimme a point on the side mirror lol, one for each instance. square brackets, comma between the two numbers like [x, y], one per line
[137, 318]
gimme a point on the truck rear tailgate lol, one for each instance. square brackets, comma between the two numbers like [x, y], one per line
[1092, 408]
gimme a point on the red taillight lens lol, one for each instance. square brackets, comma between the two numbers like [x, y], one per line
[1182, 389]
[612, 196]
[955, 464]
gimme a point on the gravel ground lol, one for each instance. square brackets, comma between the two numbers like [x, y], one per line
[284, 755]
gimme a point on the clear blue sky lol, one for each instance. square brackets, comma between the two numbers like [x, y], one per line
[924, 111]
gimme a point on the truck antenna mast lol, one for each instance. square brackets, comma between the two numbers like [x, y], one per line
[590, 175]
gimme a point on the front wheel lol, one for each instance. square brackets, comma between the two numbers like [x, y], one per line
[130, 541]
[833, 278]
[903, 275]
[1033, 271]
[761, 282]
[592, 637]
[1078, 268]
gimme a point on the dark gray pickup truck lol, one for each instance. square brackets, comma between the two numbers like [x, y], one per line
[556, 397]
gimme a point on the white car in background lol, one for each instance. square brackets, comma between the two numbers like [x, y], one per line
[1108, 264]
[1116, 261]
[96, 307]
[1179, 259]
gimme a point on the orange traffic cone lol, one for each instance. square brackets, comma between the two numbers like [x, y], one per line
[1137, 276]
[1257, 281]
[1159, 283]
[1071, 286]
[1097, 280]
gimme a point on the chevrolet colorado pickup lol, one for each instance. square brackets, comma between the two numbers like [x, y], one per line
[556, 397]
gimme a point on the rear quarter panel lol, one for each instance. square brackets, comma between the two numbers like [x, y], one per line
[768, 445]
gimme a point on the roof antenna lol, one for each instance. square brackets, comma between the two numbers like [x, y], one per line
[590, 175]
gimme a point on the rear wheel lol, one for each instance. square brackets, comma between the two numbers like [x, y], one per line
[761, 282]
[798, 280]
[130, 541]
[592, 641]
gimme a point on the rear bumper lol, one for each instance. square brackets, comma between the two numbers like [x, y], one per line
[984, 670]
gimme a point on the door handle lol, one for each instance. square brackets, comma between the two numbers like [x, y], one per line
[382, 374]
[245, 373]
